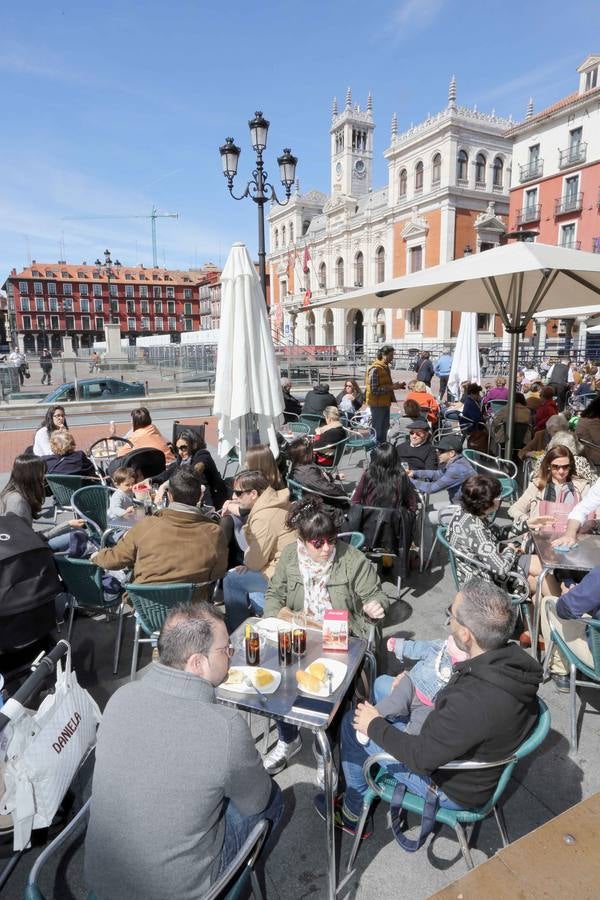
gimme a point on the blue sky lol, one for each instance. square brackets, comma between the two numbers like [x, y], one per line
[109, 108]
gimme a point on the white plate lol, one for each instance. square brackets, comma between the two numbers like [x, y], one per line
[250, 671]
[338, 671]
[270, 627]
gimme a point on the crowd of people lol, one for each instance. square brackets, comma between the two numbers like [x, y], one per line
[272, 538]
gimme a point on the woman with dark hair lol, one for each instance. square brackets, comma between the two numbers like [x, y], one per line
[260, 457]
[191, 451]
[556, 482]
[316, 573]
[54, 420]
[24, 495]
[588, 431]
[351, 398]
[470, 533]
[144, 434]
[385, 482]
[472, 413]
[308, 474]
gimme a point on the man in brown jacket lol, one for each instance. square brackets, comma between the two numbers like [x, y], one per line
[266, 535]
[178, 544]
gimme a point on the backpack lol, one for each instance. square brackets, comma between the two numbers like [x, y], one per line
[28, 584]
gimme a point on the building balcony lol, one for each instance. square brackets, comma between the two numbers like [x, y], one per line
[570, 245]
[570, 203]
[533, 169]
[529, 213]
[572, 156]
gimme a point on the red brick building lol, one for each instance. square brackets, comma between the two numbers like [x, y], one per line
[50, 301]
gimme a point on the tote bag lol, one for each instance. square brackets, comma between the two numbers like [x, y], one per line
[44, 751]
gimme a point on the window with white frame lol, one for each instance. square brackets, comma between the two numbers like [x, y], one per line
[99, 323]
[436, 169]
[145, 323]
[187, 293]
[323, 276]
[52, 288]
[53, 304]
[145, 306]
[419, 176]
[70, 323]
[54, 323]
[83, 290]
[114, 290]
[170, 306]
[158, 306]
[567, 235]
[359, 269]
[85, 323]
[462, 166]
[498, 176]
[402, 183]
[25, 304]
[23, 287]
[380, 265]
[39, 304]
[67, 290]
[98, 306]
[129, 290]
[172, 323]
[38, 287]
[415, 257]
[158, 323]
[414, 320]
[84, 305]
[27, 323]
[187, 308]
[170, 293]
[339, 272]
[97, 290]
[480, 167]
[131, 324]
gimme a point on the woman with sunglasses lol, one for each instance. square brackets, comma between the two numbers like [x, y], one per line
[315, 573]
[191, 451]
[351, 399]
[556, 482]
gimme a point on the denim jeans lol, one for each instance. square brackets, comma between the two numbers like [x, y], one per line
[380, 418]
[238, 827]
[60, 543]
[354, 755]
[244, 595]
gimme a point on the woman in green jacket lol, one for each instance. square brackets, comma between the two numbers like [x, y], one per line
[315, 573]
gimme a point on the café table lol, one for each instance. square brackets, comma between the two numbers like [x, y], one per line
[582, 558]
[279, 707]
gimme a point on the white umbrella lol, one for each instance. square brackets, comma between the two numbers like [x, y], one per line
[248, 397]
[465, 361]
[515, 281]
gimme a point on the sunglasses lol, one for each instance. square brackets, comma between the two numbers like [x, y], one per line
[317, 543]
[183, 447]
[235, 493]
[560, 466]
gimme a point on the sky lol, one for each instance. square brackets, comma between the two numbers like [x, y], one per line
[110, 108]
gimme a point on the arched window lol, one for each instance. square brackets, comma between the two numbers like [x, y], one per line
[276, 238]
[291, 232]
[310, 329]
[380, 264]
[403, 182]
[462, 166]
[498, 172]
[305, 225]
[339, 272]
[436, 169]
[359, 270]
[419, 176]
[283, 236]
[323, 276]
[480, 164]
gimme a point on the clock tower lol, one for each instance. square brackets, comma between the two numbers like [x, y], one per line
[352, 148]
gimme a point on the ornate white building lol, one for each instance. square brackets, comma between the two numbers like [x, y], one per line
[446, 195]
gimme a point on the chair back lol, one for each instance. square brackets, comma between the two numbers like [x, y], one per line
[297, 492]
[153, 602]
[496, 405]
[296, 489]
[299, 428]
[338, 451]
[64, 839]
[91, 503]
[239, 875]
[313, 421]
[354, 538]
[178, 427]
[519, 592]
[83, 580]
[64, 486]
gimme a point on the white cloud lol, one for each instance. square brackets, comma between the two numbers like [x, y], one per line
[412, 16]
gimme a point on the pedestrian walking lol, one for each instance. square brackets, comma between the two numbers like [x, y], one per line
[442, 368]
[380, 391]
[95, 362]
[46, 366]
[18, 361]
[425, 371]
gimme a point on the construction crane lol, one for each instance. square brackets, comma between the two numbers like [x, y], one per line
[154, 215]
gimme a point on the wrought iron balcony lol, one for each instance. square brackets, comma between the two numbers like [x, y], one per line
[572, 156]
[570, 245]
[533, 169]
[529, 213]
[568, 204]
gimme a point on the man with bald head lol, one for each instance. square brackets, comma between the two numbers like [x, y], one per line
[178, 783]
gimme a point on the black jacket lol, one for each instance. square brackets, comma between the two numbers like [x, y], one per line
[216, 492]
[317, 399]
[291, 405]
[75, 463]
[425, 372]
[421, 457]
[487, 709]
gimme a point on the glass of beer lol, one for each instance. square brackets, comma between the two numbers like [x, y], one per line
[252, 645]
[299, 634]
[285, 647]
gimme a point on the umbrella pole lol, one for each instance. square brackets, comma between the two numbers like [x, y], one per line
[512, 388]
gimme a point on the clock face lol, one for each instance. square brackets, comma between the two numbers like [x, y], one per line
[339, 169]
[360, 168]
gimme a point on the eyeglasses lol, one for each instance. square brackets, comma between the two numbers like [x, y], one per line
[235, 493]
[451, 615]
[560, 466]
[317, 543]
[183, 447]
[229, 650]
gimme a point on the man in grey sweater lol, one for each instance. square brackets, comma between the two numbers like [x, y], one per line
[178, 783]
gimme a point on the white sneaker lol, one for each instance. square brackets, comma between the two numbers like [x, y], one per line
[280, 755]
[320, 776]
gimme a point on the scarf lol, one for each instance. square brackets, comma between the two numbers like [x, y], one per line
[565, 493]
[315, 576]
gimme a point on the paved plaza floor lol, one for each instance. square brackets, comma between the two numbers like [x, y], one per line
[544, 785]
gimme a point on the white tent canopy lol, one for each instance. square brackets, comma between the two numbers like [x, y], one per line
[515, 281]
[465, 359]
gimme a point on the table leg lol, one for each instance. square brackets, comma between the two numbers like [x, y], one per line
[329, 823]
[538, 610]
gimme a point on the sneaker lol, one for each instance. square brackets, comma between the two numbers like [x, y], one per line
[280, 755]
[561, 683]
[320, 776]
[341, 819]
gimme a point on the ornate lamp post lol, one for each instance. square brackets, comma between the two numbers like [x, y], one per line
[258, 188]
[106, 267]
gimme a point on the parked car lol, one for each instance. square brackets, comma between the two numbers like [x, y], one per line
[95, 389]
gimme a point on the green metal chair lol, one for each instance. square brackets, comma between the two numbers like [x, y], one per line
[382, 785]
[91, 504]
[505, 470]
[61, 841]
[298, 491]
[354, 538]
[313, 421]
[338, 451]
[62, 488]
[575, 665]
[298, 428]
[152, 604]
[83, 580]
[233, 459]
[363, 439]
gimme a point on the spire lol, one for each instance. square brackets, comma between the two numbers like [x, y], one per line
[348, 103]
[529, 108]
[370, 103]
[334, 109]
[394, 125]
[452, 93]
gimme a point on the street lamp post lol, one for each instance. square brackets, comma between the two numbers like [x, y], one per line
[106, 267]
[258, 188]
